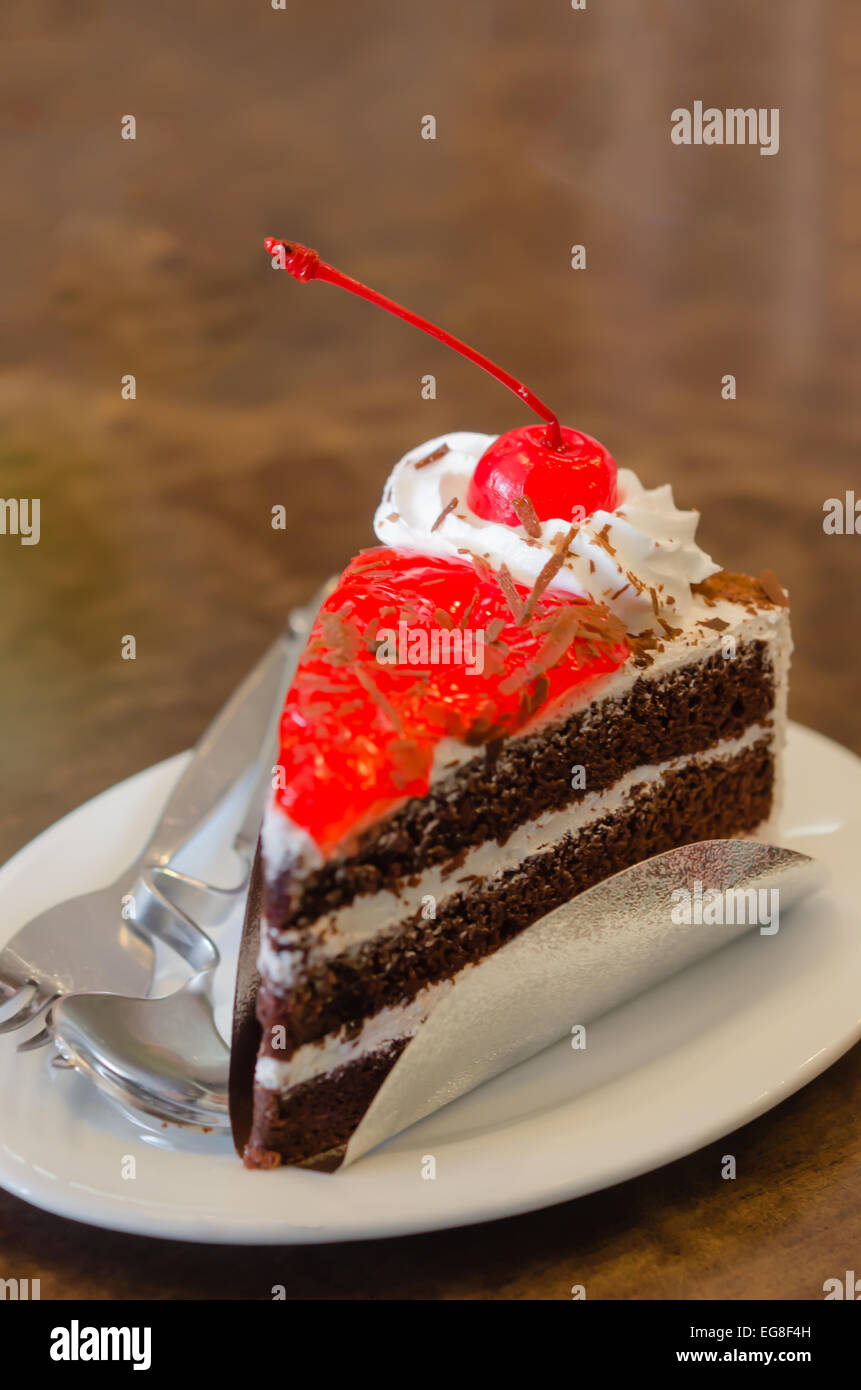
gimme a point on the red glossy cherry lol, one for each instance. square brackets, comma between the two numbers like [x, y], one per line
[570, 481]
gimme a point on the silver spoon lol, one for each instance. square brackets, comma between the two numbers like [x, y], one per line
[163, 1056]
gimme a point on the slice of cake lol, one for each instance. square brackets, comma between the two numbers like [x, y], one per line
[536, 680]
[471, 740]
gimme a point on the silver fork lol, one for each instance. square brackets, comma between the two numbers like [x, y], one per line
[102, 940]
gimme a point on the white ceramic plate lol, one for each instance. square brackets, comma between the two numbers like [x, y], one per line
[667, 1073]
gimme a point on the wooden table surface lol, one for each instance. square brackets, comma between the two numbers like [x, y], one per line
[145, 257]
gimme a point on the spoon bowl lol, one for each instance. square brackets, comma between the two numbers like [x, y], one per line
[163, 1056]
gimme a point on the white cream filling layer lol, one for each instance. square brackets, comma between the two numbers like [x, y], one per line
[315, 1059]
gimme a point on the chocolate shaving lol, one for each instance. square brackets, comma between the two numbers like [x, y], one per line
[717, 623]
[607, 627]
[560, 635]
[646, 638]
[494, 627]
[492, 750]
[641, 644]
[539, 693]
[467, 612]
[449, 507]
[527, 516]
[506, 584]
[316, 709]
[375, 558]
[407, 758]
[449, 718]
[550, 570]
[494, 659]
[545, 624]
[432, 458]
[595, 618]
[773, 588]
[483, 731]
[365, 679]
[340, 637]
[603, 539]
[561, 542]
[443, 619]
[316, 685]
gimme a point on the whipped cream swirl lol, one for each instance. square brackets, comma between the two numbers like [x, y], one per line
[616, 557]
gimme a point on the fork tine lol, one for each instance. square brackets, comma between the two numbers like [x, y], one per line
[13, 986]
[40, 1039]
[17, 1020]
[41, 999]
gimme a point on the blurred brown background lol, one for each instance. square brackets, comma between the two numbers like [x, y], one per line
[146, 257]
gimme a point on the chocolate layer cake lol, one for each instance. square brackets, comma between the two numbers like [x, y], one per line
[490, 717]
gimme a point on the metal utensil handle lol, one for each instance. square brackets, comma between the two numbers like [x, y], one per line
[300, 622]
[242, 735]
[223, 754]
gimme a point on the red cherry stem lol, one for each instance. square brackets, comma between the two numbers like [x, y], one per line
[304, 264]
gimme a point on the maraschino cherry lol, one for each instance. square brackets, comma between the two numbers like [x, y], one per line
[562, 472]
[569, 480]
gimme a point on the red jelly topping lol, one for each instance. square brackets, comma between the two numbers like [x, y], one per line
[571, 481]
[358, 733]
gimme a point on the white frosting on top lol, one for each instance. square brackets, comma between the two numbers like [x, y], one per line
[652, 541]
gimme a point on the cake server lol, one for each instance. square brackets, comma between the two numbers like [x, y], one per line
[103, 940]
